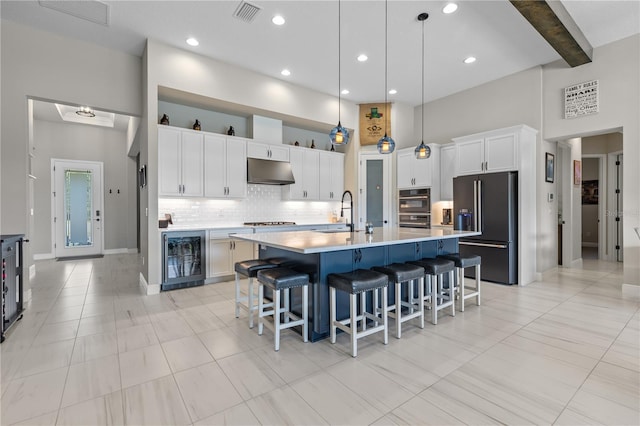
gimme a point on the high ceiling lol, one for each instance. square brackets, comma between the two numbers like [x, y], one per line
[307, 44]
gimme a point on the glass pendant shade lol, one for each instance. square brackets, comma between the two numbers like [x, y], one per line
[422, 151]
[339, 135]
[386, 145]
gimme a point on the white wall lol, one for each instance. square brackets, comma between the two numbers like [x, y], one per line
[88, 143]
[617, 67]
[47, 66]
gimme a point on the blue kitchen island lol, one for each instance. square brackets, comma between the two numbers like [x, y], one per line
[321, 253]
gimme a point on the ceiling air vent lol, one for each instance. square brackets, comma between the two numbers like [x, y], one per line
[246, 11]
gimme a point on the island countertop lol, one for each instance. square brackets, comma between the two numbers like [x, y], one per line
[307, 242]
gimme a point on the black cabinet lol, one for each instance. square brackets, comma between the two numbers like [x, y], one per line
[12, 280]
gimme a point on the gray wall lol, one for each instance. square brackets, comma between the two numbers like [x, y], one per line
[590, 211]
[88, 143]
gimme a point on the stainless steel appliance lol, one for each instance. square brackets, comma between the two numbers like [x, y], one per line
[184, 259]
[12, 284]
[489, 203]
[269, 172]
[414, 208]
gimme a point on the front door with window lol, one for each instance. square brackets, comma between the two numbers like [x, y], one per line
[78, 215]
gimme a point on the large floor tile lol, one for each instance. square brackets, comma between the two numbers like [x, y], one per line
[91, 379]
[289, 363]
[46, 357]
[283, 406]
[157, 402]
[171, 328]
[240, 415]
[186, 353]
[104, 410]
[206, 391]
[417, 411]
[94, 346]
[223, 342]
[136, 337]
[250, 375]
[50, 333]
[97, 324]
[142, 365]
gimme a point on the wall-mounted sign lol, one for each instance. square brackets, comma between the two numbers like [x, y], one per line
[375, 119]
[581, 99]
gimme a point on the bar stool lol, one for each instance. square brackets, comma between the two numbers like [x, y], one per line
[399, 274]
[461, 262]
[360, 282]
[249, 269]
[438, 296]
[282, 279]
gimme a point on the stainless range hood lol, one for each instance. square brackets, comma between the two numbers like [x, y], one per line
[269, 172]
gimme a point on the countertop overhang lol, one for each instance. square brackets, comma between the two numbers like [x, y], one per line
[308, 242]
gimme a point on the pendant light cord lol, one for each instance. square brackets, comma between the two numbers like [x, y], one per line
[386, 18]
[339, 64]
[422, 81]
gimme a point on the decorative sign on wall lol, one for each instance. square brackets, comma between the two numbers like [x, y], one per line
[581, 99]
[374, 120]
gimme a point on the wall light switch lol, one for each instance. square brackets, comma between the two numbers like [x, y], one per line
[550, 197]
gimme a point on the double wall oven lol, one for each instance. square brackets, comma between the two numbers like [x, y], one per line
[414, 209]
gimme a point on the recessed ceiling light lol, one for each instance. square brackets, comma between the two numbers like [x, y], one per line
[470, 60]
[192, 41]
[450, 8]
[393, 91]
[345, 92]
[362, 57]
[278, 20]
[285, 72]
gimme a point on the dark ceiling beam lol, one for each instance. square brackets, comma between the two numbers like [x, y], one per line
[556, 26]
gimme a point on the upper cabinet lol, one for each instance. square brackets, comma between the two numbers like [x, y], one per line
[489, 152]
[266, 151]
[414, 173]
[225, 167]
[331, 176]
[180, 162]
[305, 164]
[447, 171]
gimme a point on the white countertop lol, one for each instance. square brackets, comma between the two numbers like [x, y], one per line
[248, 228]
[307, 242]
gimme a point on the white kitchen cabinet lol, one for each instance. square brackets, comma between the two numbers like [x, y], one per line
[331, 176]
[266, 151]
[180, 162]
[413, 173]
[447, 171]
[223, 255]
[225, 167]
[305, 165]
[496, 151]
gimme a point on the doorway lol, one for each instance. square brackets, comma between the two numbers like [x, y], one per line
[77, 202]
[374, 195]
[594, 183]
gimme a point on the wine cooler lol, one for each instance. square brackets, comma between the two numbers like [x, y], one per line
[12, 285]
[184, 259]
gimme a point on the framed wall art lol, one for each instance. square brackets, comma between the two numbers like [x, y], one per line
[577, 172]
[549, 167]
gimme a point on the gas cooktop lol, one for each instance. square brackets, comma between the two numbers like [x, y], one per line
[268, 223]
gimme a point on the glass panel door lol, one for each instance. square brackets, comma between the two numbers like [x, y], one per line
[77, 208]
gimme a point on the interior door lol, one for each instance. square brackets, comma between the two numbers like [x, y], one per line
[375, 196]
[78, 213]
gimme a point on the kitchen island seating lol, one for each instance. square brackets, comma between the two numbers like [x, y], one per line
[461, 262]
[439, 296]
[280, 281]
[403, 275]
[359, 282]
[249, 269]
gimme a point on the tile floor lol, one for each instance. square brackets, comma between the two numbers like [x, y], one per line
[92, 350]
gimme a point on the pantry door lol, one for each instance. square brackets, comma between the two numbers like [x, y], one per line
[77, 208]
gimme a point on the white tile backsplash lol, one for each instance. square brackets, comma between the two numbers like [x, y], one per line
[263, 203]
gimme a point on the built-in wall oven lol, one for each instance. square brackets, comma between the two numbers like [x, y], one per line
[414, 208]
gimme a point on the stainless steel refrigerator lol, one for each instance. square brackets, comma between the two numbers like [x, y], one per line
[489, 203]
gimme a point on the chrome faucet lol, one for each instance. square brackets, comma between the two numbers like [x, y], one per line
[351, 225]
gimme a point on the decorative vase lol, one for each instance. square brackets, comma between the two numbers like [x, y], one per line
[231, 131]
[196, 125]
[313, 144]
[297, 143]
[333, 148]
[165, 119]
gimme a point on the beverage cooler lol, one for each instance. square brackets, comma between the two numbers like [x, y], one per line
[12, 285]
[184, 259]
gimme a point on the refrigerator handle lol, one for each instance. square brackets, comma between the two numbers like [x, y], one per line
[475, 205]
[479, 208]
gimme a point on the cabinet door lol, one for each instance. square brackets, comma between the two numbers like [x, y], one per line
[279, 153]
[236, 168]
[192, 164]
[470, 157]
[310, 174]
[447, 172]
[220, 258]
[337, 175]
[295, 191]
[169, 180]
[258, 150]
[501, 153]
[215, 166]
[422, 170]
[331, 176]
[405, 169]
[242, 250]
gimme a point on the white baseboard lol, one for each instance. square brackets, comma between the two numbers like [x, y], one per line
[148, 289]
[589, 244]
[576, 263]
[548, 273]
[121, 251]
[630, 291]
[43, 256]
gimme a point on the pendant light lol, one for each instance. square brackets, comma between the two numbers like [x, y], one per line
[339, 135]
[422, 151]
[386, 144]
